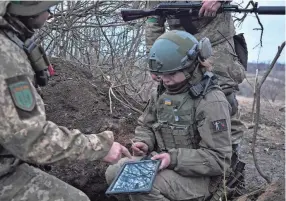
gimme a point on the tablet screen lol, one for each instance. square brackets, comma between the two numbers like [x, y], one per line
[135, 177]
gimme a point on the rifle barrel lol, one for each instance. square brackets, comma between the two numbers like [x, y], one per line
[271, 10]
[183, 9]
[261, 10]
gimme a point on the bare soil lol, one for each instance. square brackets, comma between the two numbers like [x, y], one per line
[75, 100]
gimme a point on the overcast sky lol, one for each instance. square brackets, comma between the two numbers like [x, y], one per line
[273, 36]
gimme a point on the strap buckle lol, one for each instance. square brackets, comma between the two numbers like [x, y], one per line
[196, 90]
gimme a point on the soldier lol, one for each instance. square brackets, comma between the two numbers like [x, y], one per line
[219, 28]
[186, 123]
[25, 134]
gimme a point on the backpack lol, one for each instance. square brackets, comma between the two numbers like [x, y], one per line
[240, 47]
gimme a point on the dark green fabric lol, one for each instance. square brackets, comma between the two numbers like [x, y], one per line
[30, 8]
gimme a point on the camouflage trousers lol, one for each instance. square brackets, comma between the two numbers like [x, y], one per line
[27, 183]
[168, 185]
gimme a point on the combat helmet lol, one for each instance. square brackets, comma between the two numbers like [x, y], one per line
[29, 8]
[177, 50]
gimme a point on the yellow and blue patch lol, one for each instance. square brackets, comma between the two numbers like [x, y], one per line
[167, 102]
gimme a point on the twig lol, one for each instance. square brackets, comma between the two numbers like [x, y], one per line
[132, 142]
[254, 96]
[259, 85]
[262, 28]
[265, 98]
[254, 5]
[245, 14]
[124, 104]
[260, 190]
[108, 41]
[110, 100]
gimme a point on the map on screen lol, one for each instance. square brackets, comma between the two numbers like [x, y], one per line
[135, 177]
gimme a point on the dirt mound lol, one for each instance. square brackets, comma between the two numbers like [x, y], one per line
[275, 191]
[73, 99]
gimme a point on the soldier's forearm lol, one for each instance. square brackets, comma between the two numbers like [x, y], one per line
[51, 143]
[198, 162]
[145, 135]
[144, 132]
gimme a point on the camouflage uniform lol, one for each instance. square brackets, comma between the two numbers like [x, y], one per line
[228, 69]
[26, 135]
[197, 137]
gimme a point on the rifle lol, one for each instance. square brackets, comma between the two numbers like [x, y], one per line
[181, 9]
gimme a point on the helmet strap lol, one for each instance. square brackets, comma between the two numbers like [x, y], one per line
[188, 72]
[195, 75]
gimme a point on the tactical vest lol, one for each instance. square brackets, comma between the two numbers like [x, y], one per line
[36, 56]
[176, 128]
[176, 115]
[176, 125]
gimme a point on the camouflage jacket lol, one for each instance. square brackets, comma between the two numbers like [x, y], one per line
[213, 153]
[220, 30]
[24, 130]
[215, 28]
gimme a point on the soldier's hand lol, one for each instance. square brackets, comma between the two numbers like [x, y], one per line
[165, 160]
[115, 153]
[139, 148]
[209, 8]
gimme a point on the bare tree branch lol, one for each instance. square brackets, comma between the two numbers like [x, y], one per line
[257, 117]
[241, 20]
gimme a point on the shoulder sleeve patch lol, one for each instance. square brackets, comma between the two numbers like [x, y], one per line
[219, 125]
[21, 92]
[24, 99]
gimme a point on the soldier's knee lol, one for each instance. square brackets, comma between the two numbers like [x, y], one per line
[67, 193]
[81, 197]
[110, 173]
[163, 180]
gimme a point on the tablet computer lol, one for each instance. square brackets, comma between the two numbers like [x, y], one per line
[135, 177]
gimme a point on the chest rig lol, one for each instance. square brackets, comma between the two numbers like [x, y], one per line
[176, 114]
[37, 57]
[176, 126]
